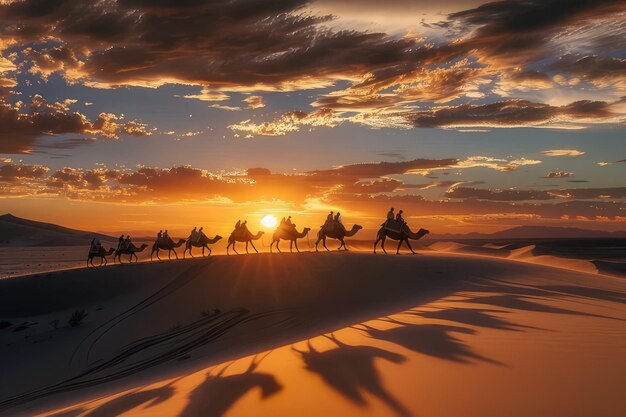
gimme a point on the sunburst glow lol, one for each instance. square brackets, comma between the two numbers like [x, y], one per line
[269, 221]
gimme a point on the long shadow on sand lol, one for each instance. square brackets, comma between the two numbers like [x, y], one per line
[127, 402]
[436, 340]
[350, 370]
[218, 393]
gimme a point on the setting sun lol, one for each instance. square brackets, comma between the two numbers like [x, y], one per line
[269, 221]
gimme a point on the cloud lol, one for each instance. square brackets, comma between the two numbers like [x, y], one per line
[15, 172]
[525, 195]
[288, 122]
[563, 152]
[254, 102]
[517, 113]
[22, 124]
[559, 174]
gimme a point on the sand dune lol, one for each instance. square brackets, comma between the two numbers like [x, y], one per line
[18, 232]
[428, 335]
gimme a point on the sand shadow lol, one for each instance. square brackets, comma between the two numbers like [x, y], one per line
[218, 393]
[351, 371]
[472, 317]
[436, 340]
[127, 402]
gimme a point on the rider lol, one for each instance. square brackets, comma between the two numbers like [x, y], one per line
[95, 245]
[238, 225]
[339, 221]
[288, 222]
[399, 218]
[390, 217]
[159, 235]
[120, 241]
[200, 233]
[166, 235]
[193, 236]
[390, 214]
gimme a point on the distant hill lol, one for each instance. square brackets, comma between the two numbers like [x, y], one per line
[15, 231]
[535, 232]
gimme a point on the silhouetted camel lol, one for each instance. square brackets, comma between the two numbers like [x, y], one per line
[203, 243]
[218, 393]
[131, 251]
[102, 254]
[337, 233]
[403, 236]
[166, 244]
[290, 234]
[351, 370]
[242, 235]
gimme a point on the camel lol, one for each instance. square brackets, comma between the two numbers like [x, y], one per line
[242, 235]
[403, 236]
[291, 234]
[203, 243]
[336, 233]
[168, 245]
[131, 251]
[102, 254]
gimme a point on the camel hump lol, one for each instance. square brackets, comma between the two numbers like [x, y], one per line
[395, 226]
[164, 241]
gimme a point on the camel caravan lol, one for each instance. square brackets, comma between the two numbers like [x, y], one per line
[394, 228]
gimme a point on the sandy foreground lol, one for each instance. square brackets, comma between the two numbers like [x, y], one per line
[329, 334]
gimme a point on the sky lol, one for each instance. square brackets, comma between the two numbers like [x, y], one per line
[470, 116]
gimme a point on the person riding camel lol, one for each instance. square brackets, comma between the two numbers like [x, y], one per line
[238, 225]
[120, 241]
[338, 220]
[193, 236]
[289, 224]
[200, 233]
[159, 235]
[166, 235]
[95, 245]
[399, 218]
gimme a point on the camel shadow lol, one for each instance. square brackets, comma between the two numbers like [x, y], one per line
[218, 393]
[351, 371]
[472, 317]
[132, 400]
[528, 303]
[436, 340]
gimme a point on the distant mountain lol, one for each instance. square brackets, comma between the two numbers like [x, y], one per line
[15, 231]
[535, 232]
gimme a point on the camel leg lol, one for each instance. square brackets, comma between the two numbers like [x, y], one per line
[376, 243]
[382, 244]
[295, 242]
[254, 247]
[399, 245]
[409, 245]
[324, 243]
[271, 244]
[208, 248]
[234, 249]
[291, 246]
[277, 248]
[247, 248]
[105, 261]
[175, 254]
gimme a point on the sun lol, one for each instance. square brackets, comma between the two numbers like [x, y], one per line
[268, 221]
